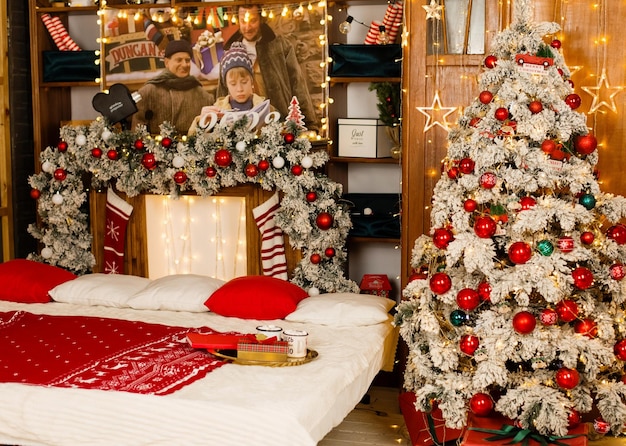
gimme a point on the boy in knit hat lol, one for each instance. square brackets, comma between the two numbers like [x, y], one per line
[236, 73]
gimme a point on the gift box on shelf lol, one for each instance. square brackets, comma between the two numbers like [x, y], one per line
[253, 349]
[70, 66]
[473, 437]
[376, 284]
[374, 215]
[362, 60]
[363, 138]
[425, 429]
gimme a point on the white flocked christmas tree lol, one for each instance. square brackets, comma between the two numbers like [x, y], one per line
[517, 303]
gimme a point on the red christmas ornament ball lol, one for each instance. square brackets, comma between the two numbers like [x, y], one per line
[62, 146]
[442, 238]
[548, 316]
[35, 194]
[324, 221]
[467, 299]
[469, 344]
[520, 253]
[488, 180]
[96, 152]
[139, 144]
[617, 233]
[535, 107]
[556, 44]
[567, 378]
[223, 158]
[466, 165]
[329, 252]
[587, 238]
[453, 172]
[180, 177]
[60, 174]
[583, 278]
[573, 418]
[484, 291]
[619, 349]
[296, 169]
[316, 259]
[491, 61]
[166, 142]
[210, 171]
[474, 121]
[573, 101]
[311, 196]
[481, 404]
[586, 327]
[548, 146]
[567, 310]
[501, 114]
[585, 144]
[112, 154]
[485, 227]
[251, 170]
[440, 283]
[527, 203]
[524, 322]
[617, 271]
[565, 244]
[264, 165]
[485, 96]
[470, 205]
[148, 160]
[289, 138]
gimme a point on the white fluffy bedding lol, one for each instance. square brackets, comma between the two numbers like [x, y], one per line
[233, 405]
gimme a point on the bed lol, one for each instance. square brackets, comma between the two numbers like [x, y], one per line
[218, 402]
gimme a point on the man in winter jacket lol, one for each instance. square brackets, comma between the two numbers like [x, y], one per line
[173, 95]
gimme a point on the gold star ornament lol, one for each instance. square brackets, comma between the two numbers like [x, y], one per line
[433, 10]
[436, 114]
[603, 94]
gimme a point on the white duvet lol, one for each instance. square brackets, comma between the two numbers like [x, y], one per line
[233, 405]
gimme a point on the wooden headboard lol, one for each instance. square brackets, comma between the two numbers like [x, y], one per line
[136, 248]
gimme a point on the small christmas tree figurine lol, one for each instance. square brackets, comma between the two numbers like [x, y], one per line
[517, 303]
[295, 114]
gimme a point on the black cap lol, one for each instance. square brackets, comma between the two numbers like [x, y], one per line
[178, 46]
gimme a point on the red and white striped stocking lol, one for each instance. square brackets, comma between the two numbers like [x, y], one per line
[273, 259]
[59, 34]
[117, 215]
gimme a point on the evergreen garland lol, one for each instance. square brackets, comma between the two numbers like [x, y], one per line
[135, 162]
[388, 96]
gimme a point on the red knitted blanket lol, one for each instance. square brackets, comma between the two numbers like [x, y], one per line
[99, 353]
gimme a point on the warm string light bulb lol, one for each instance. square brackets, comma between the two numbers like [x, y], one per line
[346, 26]
[383, 37]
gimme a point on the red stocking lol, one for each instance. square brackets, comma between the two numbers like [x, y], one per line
[117, 215]
[273, 258]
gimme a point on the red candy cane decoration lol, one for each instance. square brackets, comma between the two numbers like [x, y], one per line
[59, 34]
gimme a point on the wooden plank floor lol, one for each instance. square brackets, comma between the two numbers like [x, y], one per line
[378, 423]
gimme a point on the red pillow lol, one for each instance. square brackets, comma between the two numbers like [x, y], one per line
[28, 281]
[256, 297]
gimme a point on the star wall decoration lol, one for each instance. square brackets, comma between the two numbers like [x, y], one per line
[603, 94]
[436, 114]
[433, 10]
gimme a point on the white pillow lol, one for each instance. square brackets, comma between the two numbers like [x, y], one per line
[177, 292]
[109, 290]
[342, 310]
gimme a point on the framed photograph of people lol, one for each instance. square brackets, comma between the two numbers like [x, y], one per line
[280, 46]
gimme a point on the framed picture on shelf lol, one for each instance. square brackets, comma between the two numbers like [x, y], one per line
[285, 44]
